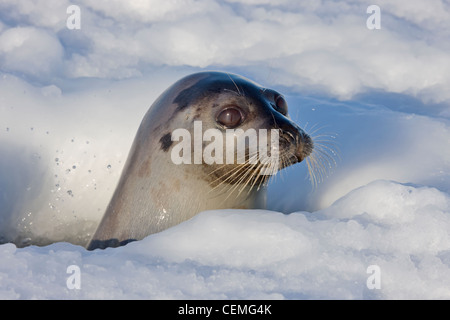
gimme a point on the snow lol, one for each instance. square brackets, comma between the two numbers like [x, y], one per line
[71, 102]
[258, 254]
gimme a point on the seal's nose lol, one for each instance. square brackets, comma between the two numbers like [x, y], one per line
[305, 146]
[294, 138]
[300, 142]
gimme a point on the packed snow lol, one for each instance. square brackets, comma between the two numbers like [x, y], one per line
[376, 226]
[256, 254]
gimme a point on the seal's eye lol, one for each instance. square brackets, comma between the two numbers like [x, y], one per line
[230, 117]
[281, 105]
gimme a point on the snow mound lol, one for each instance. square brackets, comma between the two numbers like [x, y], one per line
[260, 254]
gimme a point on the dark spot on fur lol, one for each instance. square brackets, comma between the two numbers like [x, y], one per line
[185, 97]
[103, 244]
[199, 90]
[166, 141]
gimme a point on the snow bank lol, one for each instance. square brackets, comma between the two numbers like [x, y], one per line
[256, 254]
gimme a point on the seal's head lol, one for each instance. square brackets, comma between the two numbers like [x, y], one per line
[233, 105]
[210, 141]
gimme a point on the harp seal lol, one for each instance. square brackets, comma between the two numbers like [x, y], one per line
[155, 193]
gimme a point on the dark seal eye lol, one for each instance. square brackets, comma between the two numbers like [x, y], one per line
[281, 105]
[230, 117]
